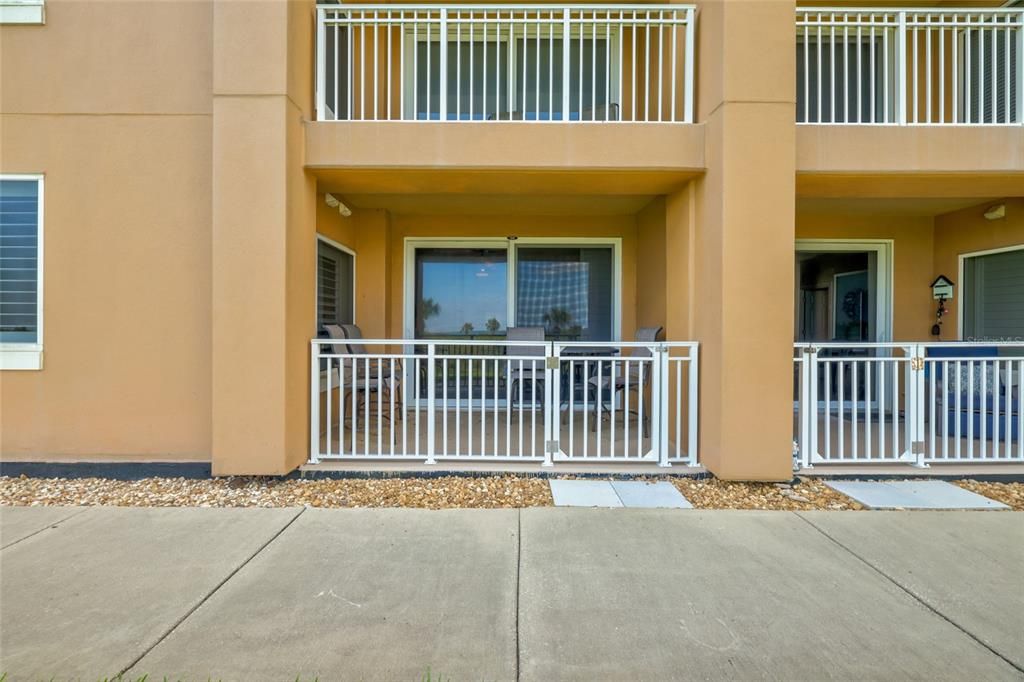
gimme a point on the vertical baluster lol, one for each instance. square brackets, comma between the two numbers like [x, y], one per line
[612, 393]
[641, 385]
[496, 401]
[817, 56]
[376, 60]
[380, 401]
[586, 408]
[390, 28]
[572, 409]
[841, 407]
[416, 435]
[971, 408]
[391, 395]
[832, 67]
[827, 366]
[647, 66]
[896, 407]
[508, 407]
[633, 86]
[597, 398]
[673, 58]
[625, 409]
[869, 369]
[853, 407]
[679, 409]
[330, 370]
[857, 46]
[607, 65]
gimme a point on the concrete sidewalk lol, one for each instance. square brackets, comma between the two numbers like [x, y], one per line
[537, 594]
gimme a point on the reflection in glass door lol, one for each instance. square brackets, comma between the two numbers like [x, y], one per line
[461, 293]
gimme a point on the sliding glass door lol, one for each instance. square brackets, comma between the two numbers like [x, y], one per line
[476, 291]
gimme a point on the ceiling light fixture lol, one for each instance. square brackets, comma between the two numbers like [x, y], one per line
[334, 202]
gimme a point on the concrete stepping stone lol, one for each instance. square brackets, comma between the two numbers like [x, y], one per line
[639, 494]
[584, 494]
[660, 495]
[913, 495]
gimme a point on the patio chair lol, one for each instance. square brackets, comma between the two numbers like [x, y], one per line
[599, 387]
[380, 375]
[532, 371]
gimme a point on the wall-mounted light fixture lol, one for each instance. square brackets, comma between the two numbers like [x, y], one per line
[334, 202]
[996, 212]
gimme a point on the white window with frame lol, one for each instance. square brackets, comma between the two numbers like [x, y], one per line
[21, 272]
[992, 295]
[22, 12]
[513, 71]
[335, 284]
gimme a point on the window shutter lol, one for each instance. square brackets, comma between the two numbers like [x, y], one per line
[334, 286]
[19, 261]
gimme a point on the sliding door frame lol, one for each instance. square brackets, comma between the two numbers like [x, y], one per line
[413, 243]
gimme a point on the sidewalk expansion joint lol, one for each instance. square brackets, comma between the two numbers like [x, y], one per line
[47, 527]
[910, 593]
[212, 592]
[519, 564]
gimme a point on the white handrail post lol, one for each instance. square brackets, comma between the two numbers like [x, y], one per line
[659, 409]
[321, 64]
[807, 361]
[901, 68]
[552, 390]
[565, 64]
[443, 95]
[918, 442]
[688, 71]
[314, 403]
[431, 397]
[692, 406]
[1020, 73]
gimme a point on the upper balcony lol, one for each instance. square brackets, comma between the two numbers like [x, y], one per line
[935, 95]
[501, 86]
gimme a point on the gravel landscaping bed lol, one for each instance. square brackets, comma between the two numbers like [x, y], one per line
[1010, 494]
[804, 495]
[480, 492]
[428, 493]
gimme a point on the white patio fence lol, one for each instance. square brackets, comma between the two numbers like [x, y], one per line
[500, 400]
[919, 403]
[910, 66]
[505, 62]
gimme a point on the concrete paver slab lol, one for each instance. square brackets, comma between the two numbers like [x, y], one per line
[660, 495]
[966, 566]
[361, 594]
[86, 599]
[935, 495]
[659, 595]
[18, 523]
[584, 494]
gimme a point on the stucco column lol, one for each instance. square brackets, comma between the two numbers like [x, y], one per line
[263, 252]
[741, 293]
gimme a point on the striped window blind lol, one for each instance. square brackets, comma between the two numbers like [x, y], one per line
[19, 260]
[994, 297]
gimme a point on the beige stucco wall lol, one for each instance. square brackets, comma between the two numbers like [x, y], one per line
[125, 148]
[967, 231]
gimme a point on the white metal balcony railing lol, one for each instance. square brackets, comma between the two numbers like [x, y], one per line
[911, 403]
[504, 401]
[910, 66]
[496, 62]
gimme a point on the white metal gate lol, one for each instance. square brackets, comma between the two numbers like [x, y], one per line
[914, 403]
